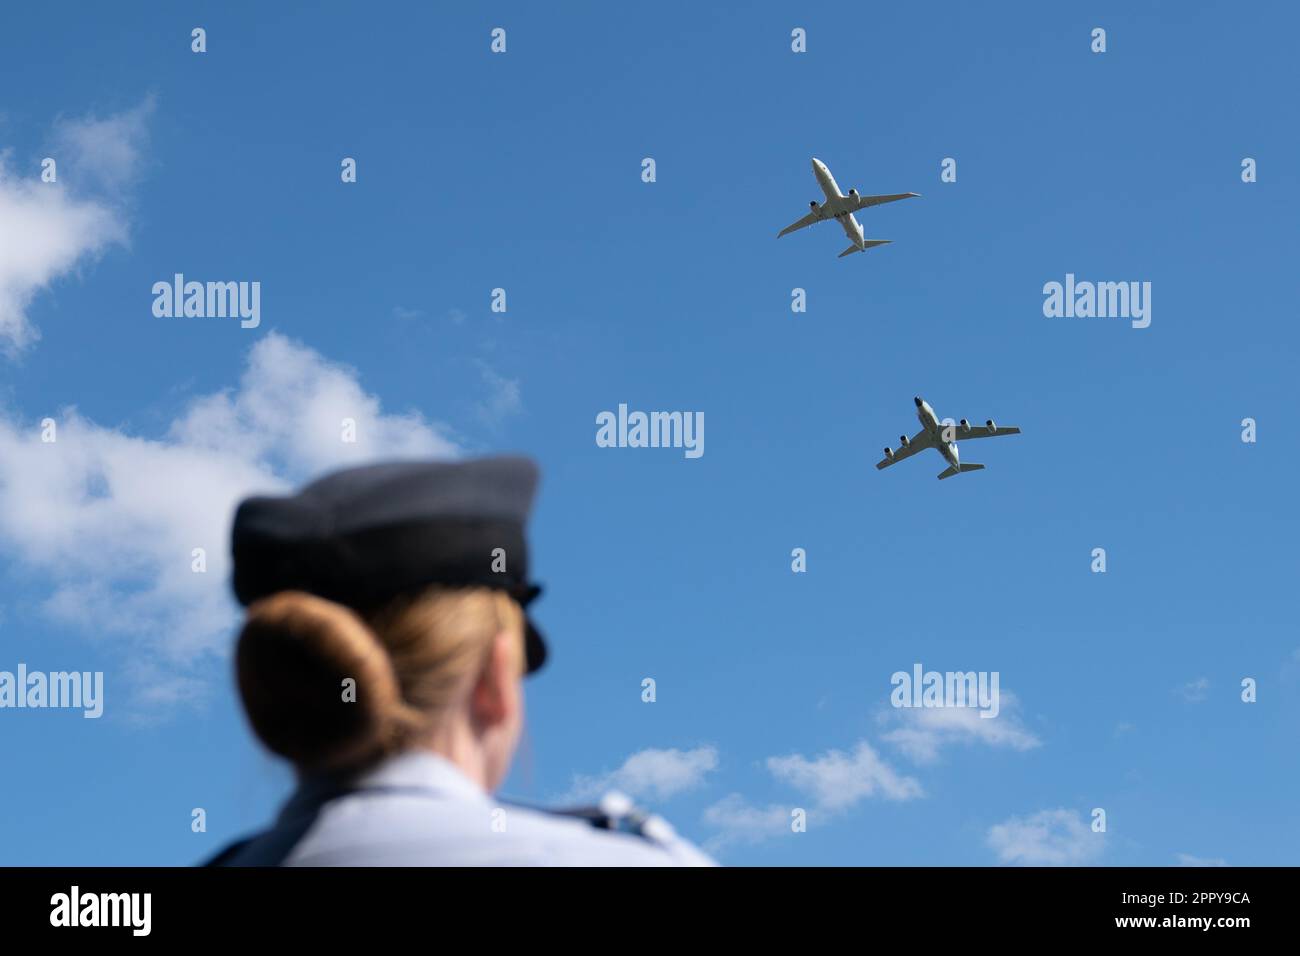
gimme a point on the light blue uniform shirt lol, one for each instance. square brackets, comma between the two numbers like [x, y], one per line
[419, 809]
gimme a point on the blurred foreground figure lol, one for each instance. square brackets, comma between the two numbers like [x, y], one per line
[383, 654]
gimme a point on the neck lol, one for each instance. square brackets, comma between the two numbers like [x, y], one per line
[455, 742]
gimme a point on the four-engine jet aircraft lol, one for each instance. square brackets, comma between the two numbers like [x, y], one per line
[935, 434]
[841, 207]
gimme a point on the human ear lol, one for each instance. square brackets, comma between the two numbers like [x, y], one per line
[495, 696]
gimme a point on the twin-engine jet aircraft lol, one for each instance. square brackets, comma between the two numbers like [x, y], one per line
[841, 207]
[935, 434]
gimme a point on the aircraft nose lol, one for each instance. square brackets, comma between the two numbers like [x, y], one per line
[917, 399]
[816, 163]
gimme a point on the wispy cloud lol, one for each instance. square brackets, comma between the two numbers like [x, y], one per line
[104, 151]
[48, 229]
[836, 780]
[1048, 838]
[925, 731]
[828, 784]
[651, 774]
[108, 520]
[1194, 692]
[503, 399]
[735, 820]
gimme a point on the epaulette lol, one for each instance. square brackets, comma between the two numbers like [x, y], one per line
[616, 812]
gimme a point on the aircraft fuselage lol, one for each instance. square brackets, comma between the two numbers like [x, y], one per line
[852, 228]
[930, 422]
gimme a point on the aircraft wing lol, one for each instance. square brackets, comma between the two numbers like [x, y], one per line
[920, 442]
[807, 220]
[983, 431]
[865, 201]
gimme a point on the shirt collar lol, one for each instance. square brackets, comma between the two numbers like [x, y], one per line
[419, 770]
[411, 771]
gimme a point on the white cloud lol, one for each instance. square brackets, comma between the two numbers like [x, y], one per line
[737, 821]
[832, 782]
[44, 233]
[836, 780]
[289, 409]
[503, 395]
[651, 773]
[1048, 838]
[103, 152]
[925, 731]
[48, 229]
[1186, 859]
[107, 520]
[1194, 692]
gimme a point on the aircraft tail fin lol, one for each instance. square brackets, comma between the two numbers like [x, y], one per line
[869, 244]
[950, 471]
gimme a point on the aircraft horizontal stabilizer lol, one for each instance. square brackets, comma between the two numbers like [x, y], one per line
[950, 471]
[869, 244]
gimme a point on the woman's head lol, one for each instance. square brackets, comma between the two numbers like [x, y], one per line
[385, 613]
[333, 691]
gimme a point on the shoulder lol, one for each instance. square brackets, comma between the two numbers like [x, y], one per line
[412, 830]
[418, 811]
[598, 837]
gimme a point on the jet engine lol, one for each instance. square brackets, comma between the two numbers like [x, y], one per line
[853, 194]
[992, 427]
[904, 440]
[965, 425]
[813, 204]
[889, 452]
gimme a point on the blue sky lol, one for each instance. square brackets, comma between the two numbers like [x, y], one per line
[522, 171]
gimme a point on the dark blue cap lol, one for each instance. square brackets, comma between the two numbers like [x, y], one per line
[364, 536]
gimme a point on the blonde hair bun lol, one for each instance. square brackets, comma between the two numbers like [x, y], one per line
[294, 660]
